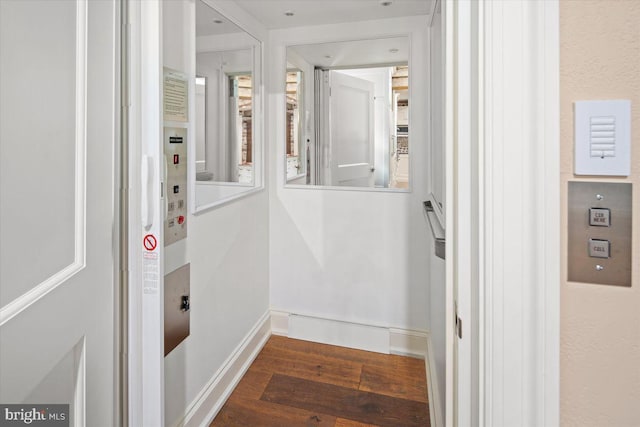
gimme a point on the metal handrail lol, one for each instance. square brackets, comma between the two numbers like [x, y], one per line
[437, 230]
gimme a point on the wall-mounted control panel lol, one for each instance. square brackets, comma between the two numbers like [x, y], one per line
[175, 155]
[177, 307]
[599, 223]
[603, 137]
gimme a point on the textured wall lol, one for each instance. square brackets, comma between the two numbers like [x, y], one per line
[600, 325]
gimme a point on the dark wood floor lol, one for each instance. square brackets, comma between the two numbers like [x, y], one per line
[298, 383]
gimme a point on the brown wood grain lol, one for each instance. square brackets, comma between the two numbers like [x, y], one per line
[395, 381]
[299, 383]
[252, 385]
[311, 366]
[343, 402]
[341, 422]
[255, 413]
[357, 356]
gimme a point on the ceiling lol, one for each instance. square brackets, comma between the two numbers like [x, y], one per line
[271, 13]
[355, 53]
[206, 24]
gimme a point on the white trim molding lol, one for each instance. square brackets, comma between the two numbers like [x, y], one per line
[520, 213]
[503, 181]
[380, 339]
[435, 406]
[215, 393]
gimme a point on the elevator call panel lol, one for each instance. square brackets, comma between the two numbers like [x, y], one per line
[599, 223]
[175, 157]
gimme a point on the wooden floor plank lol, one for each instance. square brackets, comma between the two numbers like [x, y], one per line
[327, 392]
[341, 422]
[343, 402]
[310, 366]
[395, 381]
[256, 413]
[252, 385]
[357, 356]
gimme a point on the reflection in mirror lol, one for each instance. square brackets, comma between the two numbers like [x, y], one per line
[227, 64]
[296, 139]
[224, 141]
[349, 125]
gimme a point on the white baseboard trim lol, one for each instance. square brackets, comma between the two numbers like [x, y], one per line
[215, 393]
[435, 408]
[279, 323]
[350, 334]
[406, 342]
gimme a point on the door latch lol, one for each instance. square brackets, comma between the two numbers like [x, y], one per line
[185, 305]
[458, 321]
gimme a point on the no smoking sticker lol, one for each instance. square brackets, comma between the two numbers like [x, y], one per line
[150, 242]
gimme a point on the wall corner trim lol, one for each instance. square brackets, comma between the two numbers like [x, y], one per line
[215, 393]
[435, 405]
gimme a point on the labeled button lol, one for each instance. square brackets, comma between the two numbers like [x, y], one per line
[599, 248]
[599, 217]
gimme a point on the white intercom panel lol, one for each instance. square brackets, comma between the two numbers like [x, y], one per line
[175, 155]
[603, 137]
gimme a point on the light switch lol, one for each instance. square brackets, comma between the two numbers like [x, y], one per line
[603, 137]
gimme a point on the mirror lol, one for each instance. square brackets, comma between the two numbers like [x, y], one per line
[227, 109]
[347, 114]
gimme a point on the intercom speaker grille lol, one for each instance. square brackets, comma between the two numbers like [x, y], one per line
[602, 132]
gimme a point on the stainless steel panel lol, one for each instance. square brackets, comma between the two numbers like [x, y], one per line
[175, 152]
[176, 307]
[597, 268]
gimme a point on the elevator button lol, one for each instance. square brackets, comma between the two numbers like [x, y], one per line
[599, 248]
[600, 217]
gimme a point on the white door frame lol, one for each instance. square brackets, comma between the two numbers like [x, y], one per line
[512, 223]
[145, 275]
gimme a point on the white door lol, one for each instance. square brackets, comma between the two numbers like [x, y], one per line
[352, 131]
[58, 317]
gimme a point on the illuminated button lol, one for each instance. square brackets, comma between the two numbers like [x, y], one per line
[176, 159]
[600, 217]
[599, 248]
[181, 219]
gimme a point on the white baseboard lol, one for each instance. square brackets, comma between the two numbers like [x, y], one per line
[215, 393]
[349, 334]
[435, 408]
[406, 342]
[279, 323]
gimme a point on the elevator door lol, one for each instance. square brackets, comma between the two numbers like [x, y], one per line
[57, 260]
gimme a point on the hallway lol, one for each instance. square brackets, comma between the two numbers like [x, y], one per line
[300, 383]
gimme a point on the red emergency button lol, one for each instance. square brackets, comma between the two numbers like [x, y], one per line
[176, 159]
[181, 219]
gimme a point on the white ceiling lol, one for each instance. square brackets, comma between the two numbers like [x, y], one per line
[271, 13]
[355, 53]
[205, 25]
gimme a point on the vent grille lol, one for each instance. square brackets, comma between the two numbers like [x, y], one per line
[602, 134]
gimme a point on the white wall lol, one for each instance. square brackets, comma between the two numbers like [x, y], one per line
[360, 256]
[228, 251]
